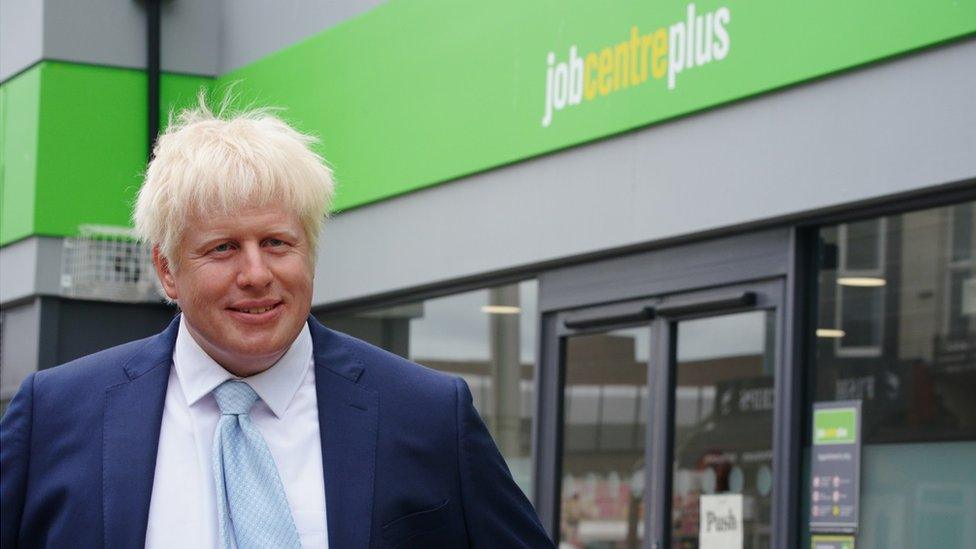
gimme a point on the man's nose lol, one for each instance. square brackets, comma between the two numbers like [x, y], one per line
[253, 270]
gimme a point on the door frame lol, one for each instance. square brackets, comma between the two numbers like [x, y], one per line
[672, 309]
[618, 287]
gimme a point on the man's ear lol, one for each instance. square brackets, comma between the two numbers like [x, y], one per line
[165, 274]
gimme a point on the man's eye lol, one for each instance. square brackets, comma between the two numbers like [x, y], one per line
[275, 242]
[222, 247]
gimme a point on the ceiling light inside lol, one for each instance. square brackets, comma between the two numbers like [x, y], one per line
[861, 281]
[501, 309]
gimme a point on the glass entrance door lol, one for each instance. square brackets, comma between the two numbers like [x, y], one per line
[604, 424]
[714, 464]
[668, 405]
[722, 427]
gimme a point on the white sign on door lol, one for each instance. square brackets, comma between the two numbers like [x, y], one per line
[720, 522]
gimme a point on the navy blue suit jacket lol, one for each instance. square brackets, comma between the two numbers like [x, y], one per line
[406, 458]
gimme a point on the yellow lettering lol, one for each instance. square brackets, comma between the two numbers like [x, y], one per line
[659, 63]
[645, 45]
[621, 66]
[589, 81]
[635, 40]
[606, 67]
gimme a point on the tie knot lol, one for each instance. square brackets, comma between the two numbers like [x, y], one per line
[235, 397]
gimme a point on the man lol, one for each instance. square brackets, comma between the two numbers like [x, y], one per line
[247, 423]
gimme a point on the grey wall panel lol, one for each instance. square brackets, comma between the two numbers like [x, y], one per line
[21, 45]
[104, 32]
[20, 342]
[252, 29]
[86, 327]
[47, 279]
[30, 267]
[190, 37]
[113, 32]
[898, 126]
[18, 270]
[714, 262]
[198, 36]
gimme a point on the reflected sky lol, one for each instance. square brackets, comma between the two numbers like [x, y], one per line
[455, 328]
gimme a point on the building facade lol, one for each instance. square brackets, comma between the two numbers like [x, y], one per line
[653, 241]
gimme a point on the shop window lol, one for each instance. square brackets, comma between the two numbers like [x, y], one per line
[896, 329]
[960, 308]
[859, 287]
[485, 336]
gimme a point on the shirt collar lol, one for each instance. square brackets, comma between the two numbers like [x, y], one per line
[199, 374]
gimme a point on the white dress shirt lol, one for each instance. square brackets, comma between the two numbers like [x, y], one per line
[183, 509]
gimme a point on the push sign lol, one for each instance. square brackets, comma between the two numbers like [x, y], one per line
[835, 469]
[720, 521]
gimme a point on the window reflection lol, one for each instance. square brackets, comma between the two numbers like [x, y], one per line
[907, 349]
[723, 430]
[604, 423]
[487, 337]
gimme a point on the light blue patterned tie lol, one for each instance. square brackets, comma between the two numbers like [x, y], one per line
[251, 505]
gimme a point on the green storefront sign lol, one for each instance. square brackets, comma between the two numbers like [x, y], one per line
[419, 92]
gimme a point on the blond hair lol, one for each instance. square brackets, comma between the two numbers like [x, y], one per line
[207, 163]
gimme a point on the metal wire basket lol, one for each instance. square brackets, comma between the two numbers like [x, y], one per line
[109, 264]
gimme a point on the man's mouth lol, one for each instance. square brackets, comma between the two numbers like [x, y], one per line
[255, 310]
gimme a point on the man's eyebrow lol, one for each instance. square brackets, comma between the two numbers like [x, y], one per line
[281, 231]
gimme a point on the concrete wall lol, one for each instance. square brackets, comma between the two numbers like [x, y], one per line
[902, 125]
[252, 29]
[198, 37]
[19, 345]
[107, 32]
[21, 35]
[30, 267]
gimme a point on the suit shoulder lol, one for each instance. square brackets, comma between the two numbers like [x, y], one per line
[381, 367]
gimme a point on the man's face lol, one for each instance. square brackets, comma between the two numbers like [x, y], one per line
[244, 284]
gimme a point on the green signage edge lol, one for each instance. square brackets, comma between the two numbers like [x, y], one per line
[420, 92]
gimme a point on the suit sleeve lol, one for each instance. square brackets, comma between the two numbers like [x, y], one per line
[15, 436]
[496, 512]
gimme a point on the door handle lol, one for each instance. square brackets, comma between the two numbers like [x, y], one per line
[593, 320]
[734, 301]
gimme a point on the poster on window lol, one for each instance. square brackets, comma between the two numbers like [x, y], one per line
[835, 466]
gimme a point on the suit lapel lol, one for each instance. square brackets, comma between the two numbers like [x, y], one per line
[348, 427]
[130, 439]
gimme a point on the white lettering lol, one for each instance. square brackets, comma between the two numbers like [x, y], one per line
[676, 52]
[547, 117]
[610, 68]
[721, 46]
[703, 39]
[575, 77]
[560, 84]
